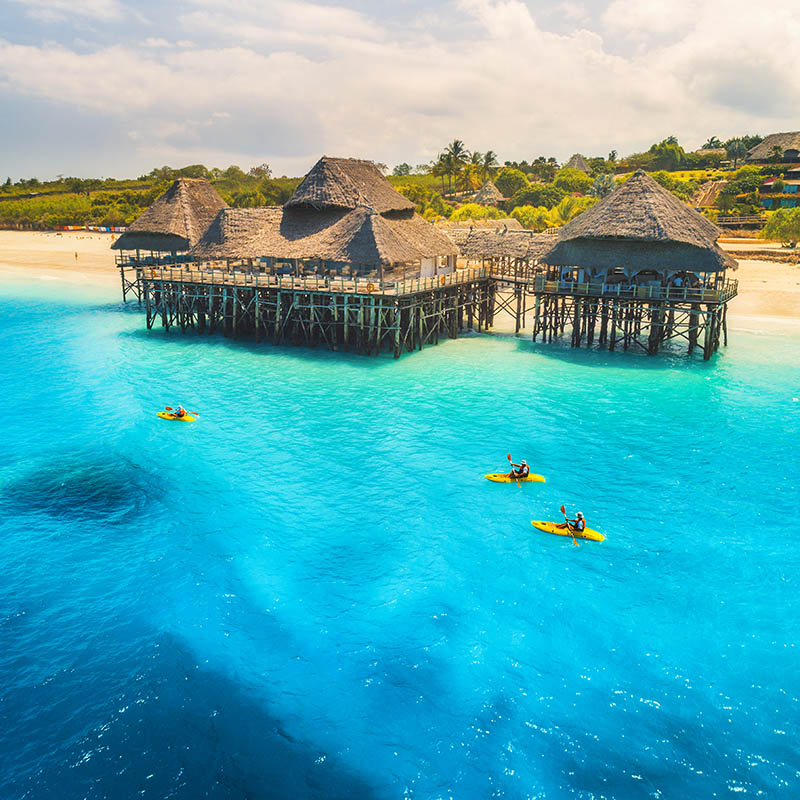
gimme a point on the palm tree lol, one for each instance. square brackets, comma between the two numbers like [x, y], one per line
[440, 168]
[736, 151]
[776, 154]
[457, 151]
[488, 163]
[713, 143]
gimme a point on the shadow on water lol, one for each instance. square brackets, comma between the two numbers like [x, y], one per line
[246, 344]
[177, 729]
[81, 487]
[668, 358]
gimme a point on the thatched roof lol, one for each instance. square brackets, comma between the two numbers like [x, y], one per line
[578, 162]
[360, 236]
[348, 183]
[642, 226]
[505, 223]
[176, 220]
[489, 195]
[487, 243]
[786, 141]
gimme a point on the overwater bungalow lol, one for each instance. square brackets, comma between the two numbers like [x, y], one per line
[642, 266]
[175, 222]
[344, 219]
[347, 263]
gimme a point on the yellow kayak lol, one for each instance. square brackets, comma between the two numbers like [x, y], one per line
[502, 477]
[553, 527]
[184, 418]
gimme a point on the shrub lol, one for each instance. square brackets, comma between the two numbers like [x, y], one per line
[572, 180]
[476, 211]
[538, 194]
[509, 181]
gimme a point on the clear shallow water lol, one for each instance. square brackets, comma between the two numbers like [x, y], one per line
[312, 592]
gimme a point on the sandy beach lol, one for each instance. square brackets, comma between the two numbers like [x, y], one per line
[77, 257]
[769, 292]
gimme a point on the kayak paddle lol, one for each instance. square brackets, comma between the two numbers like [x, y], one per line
[193, 413]
[566, 521]
[512, 469]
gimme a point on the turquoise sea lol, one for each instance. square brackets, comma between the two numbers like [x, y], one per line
[312, 592]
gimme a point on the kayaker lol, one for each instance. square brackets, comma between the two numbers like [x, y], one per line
[180, 411]
[577, 525]
[520, 470]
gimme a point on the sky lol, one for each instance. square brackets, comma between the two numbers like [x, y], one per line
[113, 88]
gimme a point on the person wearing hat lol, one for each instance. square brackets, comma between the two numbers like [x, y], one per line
[577, 525]
[520, 470]
[180, 411]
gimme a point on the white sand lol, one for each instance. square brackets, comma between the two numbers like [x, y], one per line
[52, 257]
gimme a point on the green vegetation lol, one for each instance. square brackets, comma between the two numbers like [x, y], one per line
[541, 218]
[476, 211]
[108, 202]
[783, 225]
[535, 188]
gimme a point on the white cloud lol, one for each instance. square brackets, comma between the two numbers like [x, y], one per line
[286, 81]
[58, 10]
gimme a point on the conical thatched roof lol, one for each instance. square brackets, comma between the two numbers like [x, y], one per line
[176, 220]
[578, 162]
[640, 225]
[360, 236]
[348, 183]
[489, 195]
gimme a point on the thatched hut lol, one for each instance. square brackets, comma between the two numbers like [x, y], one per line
[344, 218]
[176, 221]
[488, 195]
[640, 234]
[498, 245]
[788, 143]
[578, 162]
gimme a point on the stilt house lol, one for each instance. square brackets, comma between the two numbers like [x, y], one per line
[345, 218]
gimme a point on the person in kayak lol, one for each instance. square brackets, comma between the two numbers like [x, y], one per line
[180, 411]
[520, 470]
[577, 525]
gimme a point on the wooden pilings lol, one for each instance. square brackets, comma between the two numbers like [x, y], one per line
[629, 322]
[364, 323]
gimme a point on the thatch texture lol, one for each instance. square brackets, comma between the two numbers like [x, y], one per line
[641, 226]
[506, 223]
[348, 183]
[489, 195]
[485, 244]
[578, 162]
[786, 141]
[358, 237]
[176, 220]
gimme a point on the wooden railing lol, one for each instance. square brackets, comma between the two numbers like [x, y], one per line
[718, 294]
[310, 283]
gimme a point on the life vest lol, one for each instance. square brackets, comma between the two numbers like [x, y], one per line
[524, 470]
[580, 524]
